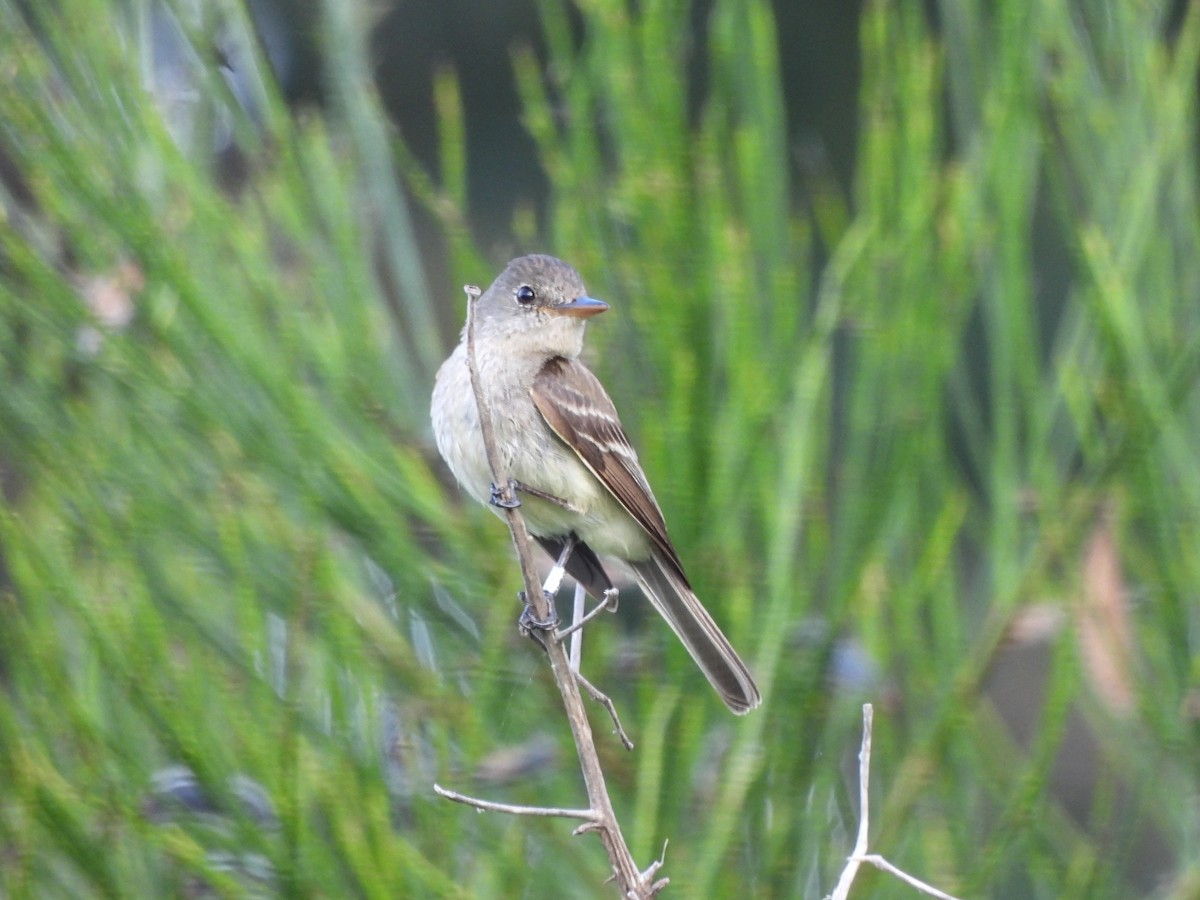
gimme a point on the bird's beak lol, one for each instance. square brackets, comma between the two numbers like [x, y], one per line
[581, 307]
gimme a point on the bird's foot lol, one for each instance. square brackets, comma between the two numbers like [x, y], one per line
[506, 497]
[612, 599]
[530, 625]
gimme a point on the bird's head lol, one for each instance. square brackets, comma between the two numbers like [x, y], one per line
[540, 303]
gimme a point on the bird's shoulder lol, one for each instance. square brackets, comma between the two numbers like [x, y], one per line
[575, 404]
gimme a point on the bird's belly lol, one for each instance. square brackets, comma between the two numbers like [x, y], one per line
[533, 455]
[596, 516]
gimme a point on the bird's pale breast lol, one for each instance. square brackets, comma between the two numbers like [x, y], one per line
[532, 454]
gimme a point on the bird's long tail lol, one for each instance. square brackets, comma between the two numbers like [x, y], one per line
[676, 602]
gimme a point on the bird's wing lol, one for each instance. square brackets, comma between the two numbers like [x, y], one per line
[578, 409]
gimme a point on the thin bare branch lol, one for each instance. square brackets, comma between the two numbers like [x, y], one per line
[577, 615]
[880, 863]
[842, 890]
[490, 806]
[603, 699]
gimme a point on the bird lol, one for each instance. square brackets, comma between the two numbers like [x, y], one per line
[559, 437]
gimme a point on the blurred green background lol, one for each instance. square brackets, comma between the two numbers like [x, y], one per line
[905, 306]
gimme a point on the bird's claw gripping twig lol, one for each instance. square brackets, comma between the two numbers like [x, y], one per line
[530, 625]
[505, 498]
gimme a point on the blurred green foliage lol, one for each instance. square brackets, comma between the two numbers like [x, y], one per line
[890, 431]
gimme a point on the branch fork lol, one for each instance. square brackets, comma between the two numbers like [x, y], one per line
[860, 854]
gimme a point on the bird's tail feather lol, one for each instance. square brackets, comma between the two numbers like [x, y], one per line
[711, 650]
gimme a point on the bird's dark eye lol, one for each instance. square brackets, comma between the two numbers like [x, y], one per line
[525, 295]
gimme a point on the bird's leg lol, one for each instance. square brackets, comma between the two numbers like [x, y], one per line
[528, 623]
[608, 604]
[549, 498]
[554, 579]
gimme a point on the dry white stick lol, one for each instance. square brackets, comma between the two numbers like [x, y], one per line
[880, 863]
[842, 891]
[860, 855]
[576, 654]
